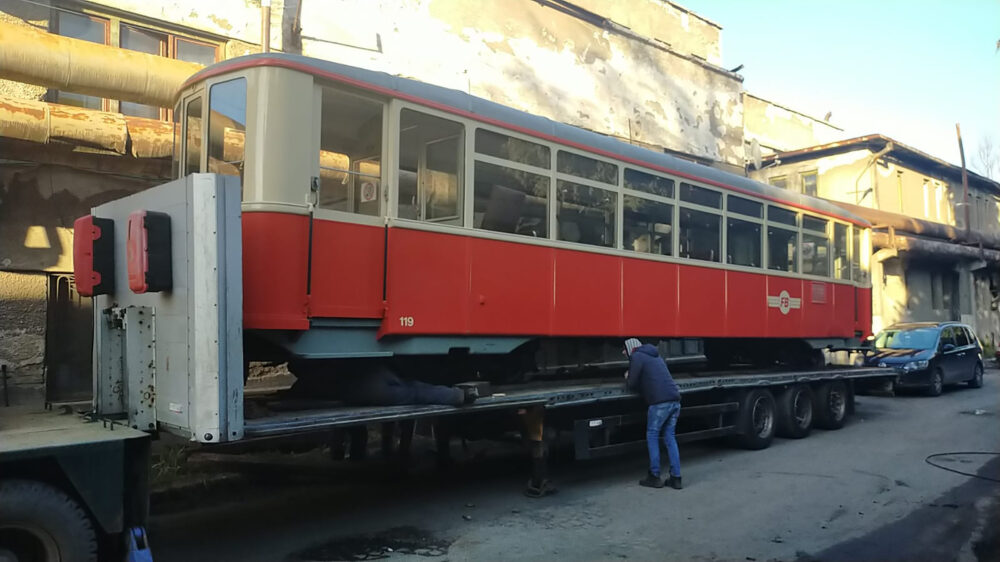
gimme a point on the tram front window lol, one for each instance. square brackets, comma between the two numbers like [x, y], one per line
[350, 153]
[227, 126]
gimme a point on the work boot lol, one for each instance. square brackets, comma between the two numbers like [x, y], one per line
[674, 482]
[651, 481]
[470, 394]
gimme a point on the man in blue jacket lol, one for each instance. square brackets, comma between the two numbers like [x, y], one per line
[648, 374]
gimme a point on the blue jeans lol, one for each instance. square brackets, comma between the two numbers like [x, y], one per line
[662, 418]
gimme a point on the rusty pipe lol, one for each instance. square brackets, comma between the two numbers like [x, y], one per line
[44, 59]
[43, 123]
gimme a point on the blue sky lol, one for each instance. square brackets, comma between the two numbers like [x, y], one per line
[909, 70]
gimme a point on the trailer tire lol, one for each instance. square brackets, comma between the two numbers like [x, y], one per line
[795, 412]
[830, 407]
[756, 423]
[41, 522]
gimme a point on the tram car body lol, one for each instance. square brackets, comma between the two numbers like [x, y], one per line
[387, 217]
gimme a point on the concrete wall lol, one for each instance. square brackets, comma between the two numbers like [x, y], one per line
[22, 332]
[777, 128]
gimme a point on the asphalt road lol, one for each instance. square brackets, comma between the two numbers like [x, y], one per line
[864, 492]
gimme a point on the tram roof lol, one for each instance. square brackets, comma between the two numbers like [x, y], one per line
[492, 113]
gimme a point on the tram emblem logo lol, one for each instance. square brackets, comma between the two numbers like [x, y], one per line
[784, 302]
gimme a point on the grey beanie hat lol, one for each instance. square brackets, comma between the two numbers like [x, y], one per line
[631, 344]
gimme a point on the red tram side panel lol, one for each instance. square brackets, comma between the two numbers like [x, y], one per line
[275, 262]
[348, 261]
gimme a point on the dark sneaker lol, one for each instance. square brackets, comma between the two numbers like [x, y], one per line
[674, 482]
[651, 481]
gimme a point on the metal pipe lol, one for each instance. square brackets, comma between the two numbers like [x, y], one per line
[965, 179]
[265, 26]
[3, 373]
[35, 57]
[857, 201]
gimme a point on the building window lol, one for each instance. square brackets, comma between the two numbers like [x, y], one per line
[350, 153]
[779, 181]
[86, 28]
[586, 214]
[430, 163]
[648, 226]
[809, 184]
[134, 38]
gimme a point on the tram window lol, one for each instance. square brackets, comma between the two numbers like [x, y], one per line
[699, 235]
[782, 249]
[350, 153]
[430, 162]
[813, 223]
[586, 214]
[701, 196]
[841, 265]
[783, 216]
[513, 149]
[192, 151]
[227, 125]
[641, 181]
[648, 226]
[588, 168]
[509, 200]
[856, 272]
[746, 207]
[743, 241]
[815, 255]
[175, 163]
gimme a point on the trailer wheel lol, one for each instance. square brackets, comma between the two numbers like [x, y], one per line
[40, 523]
[756, 420]
[795, 412]
[830, 407]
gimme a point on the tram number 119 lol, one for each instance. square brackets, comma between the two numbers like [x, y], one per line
[406, 321]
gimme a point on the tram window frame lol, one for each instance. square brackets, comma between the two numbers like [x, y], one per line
[656, 235]
[736, 256]
[351, 181]
[789, 264]
[699, 195]
[744, 205]
[609, 237]
[584, 166]
[684, 234]
[481, 146]
[818, 241]
[220, 161]
[843, 270]
[503, 207]
[191, 163]
[782, 216]
[420, 193]
[647, 183]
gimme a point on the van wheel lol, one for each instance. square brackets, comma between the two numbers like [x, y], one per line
[41, 523]
[977, 377]
[830, 405]
[756, 424]
[795, 412]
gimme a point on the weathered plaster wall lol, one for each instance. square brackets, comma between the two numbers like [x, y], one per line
[38, 204]
[22, 332]
[779, 129]
[540, 60]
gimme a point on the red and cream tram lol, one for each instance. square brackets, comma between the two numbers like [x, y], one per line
[384, 217]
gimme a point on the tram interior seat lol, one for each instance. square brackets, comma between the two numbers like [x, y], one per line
[503, 209]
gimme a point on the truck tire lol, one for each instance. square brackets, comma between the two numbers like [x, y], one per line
[41, 523]
[795, 412]
[756, 423]
[830, 407]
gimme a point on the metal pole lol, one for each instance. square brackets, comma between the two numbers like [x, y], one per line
[6, 396]
[965, 181]
[265, 26]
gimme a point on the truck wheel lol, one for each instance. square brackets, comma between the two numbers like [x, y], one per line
[830, 406]
[756, 420]
[40, 523]
[795, 412]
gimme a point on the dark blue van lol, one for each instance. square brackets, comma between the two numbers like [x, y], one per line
[929, 355]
